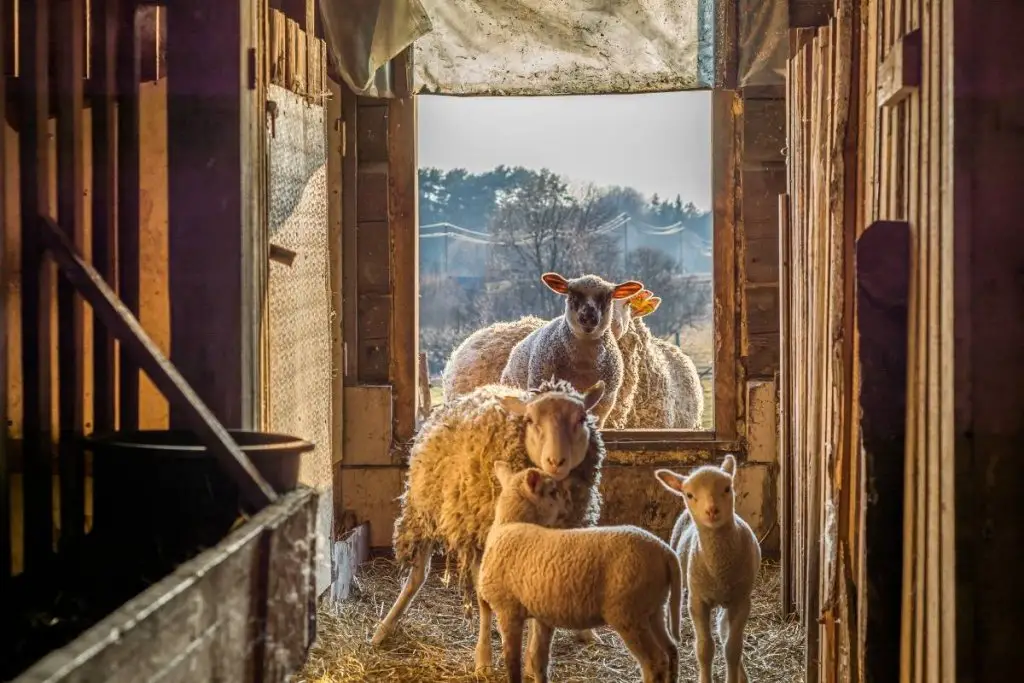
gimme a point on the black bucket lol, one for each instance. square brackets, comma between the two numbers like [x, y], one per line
[161, 496]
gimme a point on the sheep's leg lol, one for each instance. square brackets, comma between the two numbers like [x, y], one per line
[588, 637]
[510, 624]
[667, 643]
[484, 662]
[735, 671]
[417, 576]
[700, 615]
[538, 651]
[643, 645]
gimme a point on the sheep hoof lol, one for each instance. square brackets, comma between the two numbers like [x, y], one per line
[588, 637]
[484, 669]
[379, 636]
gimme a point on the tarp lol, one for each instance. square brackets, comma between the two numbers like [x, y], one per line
[548, 47]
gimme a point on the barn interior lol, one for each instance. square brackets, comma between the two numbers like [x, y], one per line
[218, 254]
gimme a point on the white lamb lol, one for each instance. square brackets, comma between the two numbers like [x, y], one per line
[481, 356]
[619, 576]
[450, 486]
[720, 557]
[577, 346]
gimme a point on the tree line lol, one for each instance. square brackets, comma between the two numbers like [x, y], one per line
[486, 238]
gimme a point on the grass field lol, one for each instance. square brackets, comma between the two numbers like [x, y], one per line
[698, 344]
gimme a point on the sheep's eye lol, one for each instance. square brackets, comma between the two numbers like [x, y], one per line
[728, 489]
[583, 419]
[529, 420]
[689, 496]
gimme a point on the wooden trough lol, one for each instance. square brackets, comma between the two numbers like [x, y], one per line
[244, 610]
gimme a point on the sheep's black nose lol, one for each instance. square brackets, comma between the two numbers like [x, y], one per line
[588, 317]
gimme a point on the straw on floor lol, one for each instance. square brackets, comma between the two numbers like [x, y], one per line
[434, 642]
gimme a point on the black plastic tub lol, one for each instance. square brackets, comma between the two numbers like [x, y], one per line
[159, 495]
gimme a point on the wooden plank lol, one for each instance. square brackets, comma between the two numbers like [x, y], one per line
[351, 551]
[295, 62]
[763, 309]
[350, 218]
[336, 255]
[104, 27]
[69, 37]
[277, 50]
[784, 387]
[5, 276]
[128, 217]
[216, 617]
[37, 283]
[900, 72]
[134, 340]
[368, 425]
[883, 276]
[372, 136]
[764, 132]
[727, 147]
[216, 242]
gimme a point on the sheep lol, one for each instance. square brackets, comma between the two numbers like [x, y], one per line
[687, 392]
[481, 357]
[653, 406]
[624, 313]
[450, 488]
[720, 557]
[576, 346]
[619, 576]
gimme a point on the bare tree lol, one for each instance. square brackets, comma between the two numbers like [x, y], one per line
[685, 298]
[541, 228]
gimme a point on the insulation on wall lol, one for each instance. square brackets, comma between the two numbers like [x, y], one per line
[299, 298]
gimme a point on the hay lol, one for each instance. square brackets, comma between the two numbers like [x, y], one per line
[434, 642]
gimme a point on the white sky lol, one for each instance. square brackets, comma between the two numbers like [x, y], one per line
[655, 142]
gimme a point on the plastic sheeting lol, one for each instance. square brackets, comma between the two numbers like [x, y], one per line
[763, 44]
[549, 47]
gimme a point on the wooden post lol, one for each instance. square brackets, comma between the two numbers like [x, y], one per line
[216, 250]
[5, 486]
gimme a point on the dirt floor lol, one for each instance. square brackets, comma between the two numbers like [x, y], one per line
[434, 643]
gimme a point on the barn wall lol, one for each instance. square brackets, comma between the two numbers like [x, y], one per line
[902, 261]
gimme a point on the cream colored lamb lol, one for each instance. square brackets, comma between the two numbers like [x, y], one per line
[481, 356]
[720, 557]
[619, 576]
[624, 313]
[653, 404]
[577, 346]
[450, 488]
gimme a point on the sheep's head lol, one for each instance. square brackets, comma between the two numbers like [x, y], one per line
[708, 492]
[528, 496]
[624, 311]
[558, 427]
[588, 301]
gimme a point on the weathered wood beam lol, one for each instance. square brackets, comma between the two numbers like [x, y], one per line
[143, 351]
[810, 13]
[900, 72]
[5, 488]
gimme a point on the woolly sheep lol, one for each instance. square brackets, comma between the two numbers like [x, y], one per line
[621, 576]
[720, 557]
[450, 487]
[576, 346]
[687, 392]
[653, 405]
[626, 314]
[481, 357]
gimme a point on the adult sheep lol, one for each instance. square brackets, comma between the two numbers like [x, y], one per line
[687, 393]
[577, 346]
[481, 356]
[451, 487]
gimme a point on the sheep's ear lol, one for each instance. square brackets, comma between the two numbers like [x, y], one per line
[647, 307]
[671, 481]
[514, 405]
[503, 471]
[592, 395]
[533, 480]
[729, 465]
[626, 289]
[555, 282]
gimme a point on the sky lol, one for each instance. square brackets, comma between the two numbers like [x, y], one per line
[657, 143]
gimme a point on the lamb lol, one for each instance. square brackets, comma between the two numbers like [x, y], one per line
[576, 346]
[653, 405]
[574, 578]
[720, 557]
[687, 392]
[481, 356]
[450, 489]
